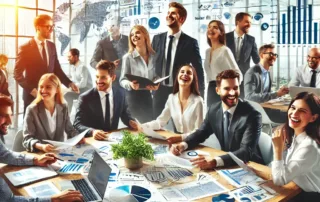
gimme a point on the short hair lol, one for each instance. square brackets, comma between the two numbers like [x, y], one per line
[5, 101]
[263, 48]
[181, 10]
[222, 37]
[107, 65]
[240, 16]
[194, 85]
[146, 35]
[226, 74]
[3, 60]
[74, 52]
[41, 19]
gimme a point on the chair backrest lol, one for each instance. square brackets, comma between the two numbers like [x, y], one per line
[259, 108]
[265, 145]
[17, 142]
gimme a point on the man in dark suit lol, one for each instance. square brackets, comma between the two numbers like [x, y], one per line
[236, 124]
[174, 49]
[257, 80]
[37, 57]
[112, 47]
[100, 108]
[243, 45]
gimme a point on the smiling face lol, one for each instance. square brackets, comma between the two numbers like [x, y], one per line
[245, 24]
[299, 116]
[213, 31]
[104, 80]
[73, 59]
[5, 119]
[313, 58]
[173, 18]
[44, 30]
[229, 92]
[185, 76]
[137, 38]
[267, 58]
[47, 90]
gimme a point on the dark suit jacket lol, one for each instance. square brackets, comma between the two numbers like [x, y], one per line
[253, 86]
[30, 61]
[89, 113]
[244, 131]
[187, 52]
[248, 50]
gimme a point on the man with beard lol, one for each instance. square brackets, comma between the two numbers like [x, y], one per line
[308, 75]
[37, 57]
[257, 80]
[236, 124]
[243, 45]
[100, 108]
[174, 49]
[15, 158]
[80, 75]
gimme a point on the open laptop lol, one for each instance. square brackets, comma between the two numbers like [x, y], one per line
[294, 90]
[94, 186]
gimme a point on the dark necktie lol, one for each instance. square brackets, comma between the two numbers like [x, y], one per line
[313, 79]
[44, 54]
[169, 58]
[226, 130]
[107, 115]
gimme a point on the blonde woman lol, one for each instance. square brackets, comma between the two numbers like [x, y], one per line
[47, 117]
[139, 61]
[4, 86]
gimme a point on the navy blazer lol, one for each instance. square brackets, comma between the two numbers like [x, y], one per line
[244, 131]
[248, 50]
[187, 53]
[89, 113]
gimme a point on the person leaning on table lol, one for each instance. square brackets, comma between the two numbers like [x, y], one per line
[18, 159]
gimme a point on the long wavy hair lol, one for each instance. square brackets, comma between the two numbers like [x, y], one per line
[222, 37]
[194, 85]
[145, 33]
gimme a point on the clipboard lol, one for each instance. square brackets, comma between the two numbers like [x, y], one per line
[144, 82]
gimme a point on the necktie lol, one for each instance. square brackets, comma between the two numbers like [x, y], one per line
[238, 48]
[168, 63]
[44, 54]
[107, 115]
[313, 79]
[265, 82]
[226, 130]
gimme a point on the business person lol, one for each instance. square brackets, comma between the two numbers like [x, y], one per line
[47, 117]
[184, 105]
[14, 158]
[174, 49]
[257, 80]
[243, 45]
[218, 58]
[100, 108]
[139, 61]
[236, 124]
[4, 85]
[37, 57]
[308, 75]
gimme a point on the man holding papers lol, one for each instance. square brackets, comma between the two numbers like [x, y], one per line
[236, 124]
[14, 158]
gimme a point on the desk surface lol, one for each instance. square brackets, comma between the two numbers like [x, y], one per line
[283, 108]
[284, 193]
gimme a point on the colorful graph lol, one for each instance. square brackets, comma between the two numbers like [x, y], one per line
[130, 193]
[71, 168]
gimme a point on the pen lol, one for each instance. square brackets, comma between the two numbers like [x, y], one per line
[54, 157]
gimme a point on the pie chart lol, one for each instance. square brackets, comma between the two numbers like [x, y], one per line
[129, 193]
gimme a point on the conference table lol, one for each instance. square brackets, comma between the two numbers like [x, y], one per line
[284, 192]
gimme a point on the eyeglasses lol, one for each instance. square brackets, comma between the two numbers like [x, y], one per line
[271, 54]
[312, 58]
[49, 27]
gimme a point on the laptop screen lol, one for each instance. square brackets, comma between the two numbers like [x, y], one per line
[99, 174]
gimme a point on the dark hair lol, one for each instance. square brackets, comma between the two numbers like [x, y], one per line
[107, 65]
[240, 16]
[194, 85]
[74, 52]
[41, 19]
[5, 101]
[313, 128]
[263, 48]
[226, 74]
[222, 37]
[181, 10]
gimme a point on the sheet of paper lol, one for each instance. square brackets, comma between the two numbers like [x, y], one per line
[44, 189]
[161, 79]
[191, 154]
[69, 142]
[151, 133]
[240, 162]
[115, 136]
[251, 193]
[63, 167]
[170, 159]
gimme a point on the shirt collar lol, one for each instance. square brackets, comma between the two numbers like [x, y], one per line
[299, 138]
[135, 53]
[103, 94]
[111, 39]
[264, 71]
[317, 70]
[231, 110]
[54, 113]
[236, 35]
[77, 64]
[176, 35]
[39, 42]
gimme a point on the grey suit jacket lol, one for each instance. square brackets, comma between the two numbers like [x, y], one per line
[36, 126]
[253, 86]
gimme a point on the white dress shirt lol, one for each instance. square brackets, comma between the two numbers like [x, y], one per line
[238, 49]
[103, 103]
[173, 54]
[221, 59]
[80, 75]
[186, 122]
[52, 120]
[302, 77]
[40, 48]
[301, 165]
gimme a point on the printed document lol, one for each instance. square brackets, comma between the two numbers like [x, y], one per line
[69, 142]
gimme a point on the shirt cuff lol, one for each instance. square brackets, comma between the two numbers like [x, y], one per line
[277, 164]
[184, 136]
[185, 145]
[29, 159]
[220, 162]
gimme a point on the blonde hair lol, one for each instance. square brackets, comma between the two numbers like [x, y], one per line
[145, 33]
[56, 82]
[3, 60]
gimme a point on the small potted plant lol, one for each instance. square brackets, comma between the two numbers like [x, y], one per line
[133, 148]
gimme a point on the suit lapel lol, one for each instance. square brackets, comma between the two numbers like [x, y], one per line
[179, 49]
[59, 122]
[34, 49]
[232, 45]
[115, 109]
[44, 119]
[96, 104]
[234, 122]
[50, 55]
[219, 124]
[243, 48]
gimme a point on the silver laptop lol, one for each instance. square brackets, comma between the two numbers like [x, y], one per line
[294, 90]
[94, 186]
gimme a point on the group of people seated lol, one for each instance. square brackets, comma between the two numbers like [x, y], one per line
[234, 122]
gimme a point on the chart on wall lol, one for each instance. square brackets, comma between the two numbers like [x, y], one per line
[130, 193]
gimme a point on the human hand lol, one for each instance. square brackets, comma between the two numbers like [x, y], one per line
[174, 139]
[116, 63]
[278, 141]
[82, 141]
[152, 87]
[282, 91]
[47, 147]
[45, 159]
[74, 88]
[100, 135]
[177, 149]
[67, 196]
[204, 163]
[34, 92]
[135, 125]
[134, 85]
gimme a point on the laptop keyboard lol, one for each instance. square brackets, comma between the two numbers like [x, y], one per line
[82, 186]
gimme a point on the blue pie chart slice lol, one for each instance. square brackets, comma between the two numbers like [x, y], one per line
[130, 194]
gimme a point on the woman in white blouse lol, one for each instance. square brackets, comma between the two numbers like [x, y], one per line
[47, 117]
[218, 58]
[296, 147]
[139, 61]
[184, 105]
